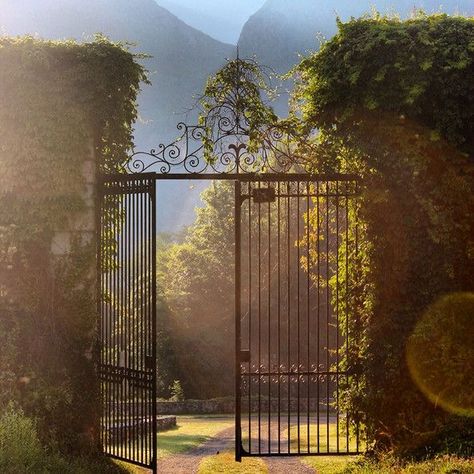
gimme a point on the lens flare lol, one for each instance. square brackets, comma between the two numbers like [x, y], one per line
[440, 353]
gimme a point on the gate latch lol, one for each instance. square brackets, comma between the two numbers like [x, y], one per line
[263, 195]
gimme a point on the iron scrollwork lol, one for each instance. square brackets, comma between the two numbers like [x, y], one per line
[223, 142]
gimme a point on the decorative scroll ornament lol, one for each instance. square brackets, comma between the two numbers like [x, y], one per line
[225, 141]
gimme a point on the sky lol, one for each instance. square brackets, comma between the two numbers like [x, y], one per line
[221, 19]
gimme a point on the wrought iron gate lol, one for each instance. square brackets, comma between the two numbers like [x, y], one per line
[127, 327]
[296, 242]
[296, 239]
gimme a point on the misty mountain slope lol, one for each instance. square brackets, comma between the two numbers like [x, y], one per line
[283, 29]
[221, 19]
[182, 59]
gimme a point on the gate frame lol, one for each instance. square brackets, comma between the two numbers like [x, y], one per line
[105, 180]
[228, 131]
[237, 178]
[239, 199]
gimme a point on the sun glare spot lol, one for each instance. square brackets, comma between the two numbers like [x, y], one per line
[440, 353]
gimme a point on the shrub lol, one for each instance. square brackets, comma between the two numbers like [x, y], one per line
[21, 451]
[20, 448]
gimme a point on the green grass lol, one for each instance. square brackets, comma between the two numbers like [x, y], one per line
[225, 463]
[323, 438]
[190, 432]
[329, 464]
[389, 465]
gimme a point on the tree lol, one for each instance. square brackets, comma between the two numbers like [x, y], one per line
[198, 290]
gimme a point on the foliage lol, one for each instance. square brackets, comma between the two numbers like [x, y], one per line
[421, 68]
[389, 465]
[62, 104]
[196, 279]
[21, 451]
[20, 448]
[177, 392]
[393, 102]
[238, 90]
[330, 464]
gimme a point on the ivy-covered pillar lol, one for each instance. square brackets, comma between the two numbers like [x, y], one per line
[393, 102]
[66, 113]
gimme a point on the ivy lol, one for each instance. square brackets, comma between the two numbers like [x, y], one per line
[393, 101]
[62, 103]
[421, 68]
[237, 93]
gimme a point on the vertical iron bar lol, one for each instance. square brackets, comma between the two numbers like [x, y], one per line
[298, 338]
[269, 284]
[356, 218]
[237, 237]
[128, 336]
[132, 317]
[327, 316]
[279, 315]
[337, 315]
[347, 306]
[99, 291]
[259, 323]
[147, 335]
[124, 333]
[153, 331]
[249, 189]
[138, 315]
[140, 333]
[318, 332]
[288, 246]
[308, 261]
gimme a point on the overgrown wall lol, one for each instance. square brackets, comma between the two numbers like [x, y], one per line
[394, 102]
[66, 112]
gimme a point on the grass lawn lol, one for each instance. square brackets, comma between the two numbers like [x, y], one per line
[323, 438]
[389, 465]
[225, 463]
[191, 431]
[329, 464]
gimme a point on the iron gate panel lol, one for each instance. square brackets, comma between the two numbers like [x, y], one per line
[127, 309]
[295, 240]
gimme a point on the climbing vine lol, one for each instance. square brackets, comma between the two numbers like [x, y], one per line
[393, 101]
[63, 103]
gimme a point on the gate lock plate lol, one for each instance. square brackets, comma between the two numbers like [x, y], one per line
[261, 195]
[244, 356]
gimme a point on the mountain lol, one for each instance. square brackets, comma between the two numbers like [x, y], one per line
[283, 29]
[182, 57]
[181, 60]
[221, 19]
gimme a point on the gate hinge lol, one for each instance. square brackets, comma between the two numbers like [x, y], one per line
[261, 195]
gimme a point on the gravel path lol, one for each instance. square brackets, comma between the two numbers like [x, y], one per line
[188, 463]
